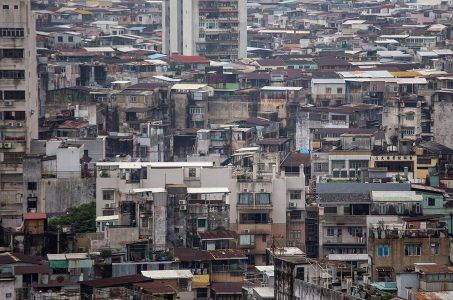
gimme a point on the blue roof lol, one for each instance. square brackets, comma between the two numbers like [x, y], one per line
[156, 56]
[385, 286]
[137, 28]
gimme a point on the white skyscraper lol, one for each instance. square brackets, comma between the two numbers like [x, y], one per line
[18, 99]
[215, 29]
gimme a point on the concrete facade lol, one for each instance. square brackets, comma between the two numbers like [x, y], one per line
[195, 27]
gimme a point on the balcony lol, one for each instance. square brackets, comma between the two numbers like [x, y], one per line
[253, 206]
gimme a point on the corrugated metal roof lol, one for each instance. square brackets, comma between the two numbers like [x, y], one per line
[395, 196]
[168, 274]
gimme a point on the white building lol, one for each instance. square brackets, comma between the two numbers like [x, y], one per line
[213, 29]
[18, 100]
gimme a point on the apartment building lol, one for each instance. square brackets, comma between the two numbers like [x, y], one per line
[216, 30]
[172, 203]
[395, 247]
[18, 102]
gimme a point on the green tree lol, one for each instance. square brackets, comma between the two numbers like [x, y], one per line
[82, 218]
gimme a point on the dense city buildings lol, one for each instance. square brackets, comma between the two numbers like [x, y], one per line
[226, 149]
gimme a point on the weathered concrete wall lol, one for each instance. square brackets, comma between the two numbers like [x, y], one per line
[226, 110]
[308, 291]
[117, 237]
[443, 123]
[63, 193]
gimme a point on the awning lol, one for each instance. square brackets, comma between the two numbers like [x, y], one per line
[58, 264]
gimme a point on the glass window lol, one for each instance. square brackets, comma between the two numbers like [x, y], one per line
[434, 249]
[246, 239]
[201, 223]
[108, 195]
[330, 231]
[294, 235]
[431, 202]
[32, 186]
[410, 116]
[355, 231]
[400, 208]
[413, 249]
[295, 214]
[328, 90]
[263, 198]
[339, 90]
[295, 195]
[192, 172]
[382, 209]
[418, 208]
[245, 198]
[383, 250]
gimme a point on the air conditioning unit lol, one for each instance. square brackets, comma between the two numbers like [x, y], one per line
[262, 190]
[9, 103]
[182, 202]
[11, 124]
[7, 145]
[292, 204]
[183, 207]
[19, 124]
[108, 205]
[245, 190]
[315, 155]
[246, 230]
[157, 123]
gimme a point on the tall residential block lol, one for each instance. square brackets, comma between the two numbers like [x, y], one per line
[18, 100]
[215, 29]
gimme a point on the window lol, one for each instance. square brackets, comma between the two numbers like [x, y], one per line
[328, 90]
[412, 249]
[338, 164]
[382, 209]
[409, 116]
[70, 39]
[418, 208]
[245, 199]
[5, 6]
[12, 53]
[295, 214]
[196, 110]
[383, 250]
[339, 90]
[263, 198]
[133, 99]
[330, 231]
[355, 231]
[14, 95]
[16, 6]
[330, 210]
[246, 240]
[294, 235]
[201, 223]
[60, 39]
[408, 131]
[321, 167]
[434, 249]
[192, 172]
[295, 195]
[108, 195]
[12, 74]
[431, 202]
[32, 186]
[339, 232]
[300, 273]
[11, 32]
[254, 218]
[400, 208]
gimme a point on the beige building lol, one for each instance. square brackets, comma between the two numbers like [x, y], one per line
[254, 205]
[18, 102]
